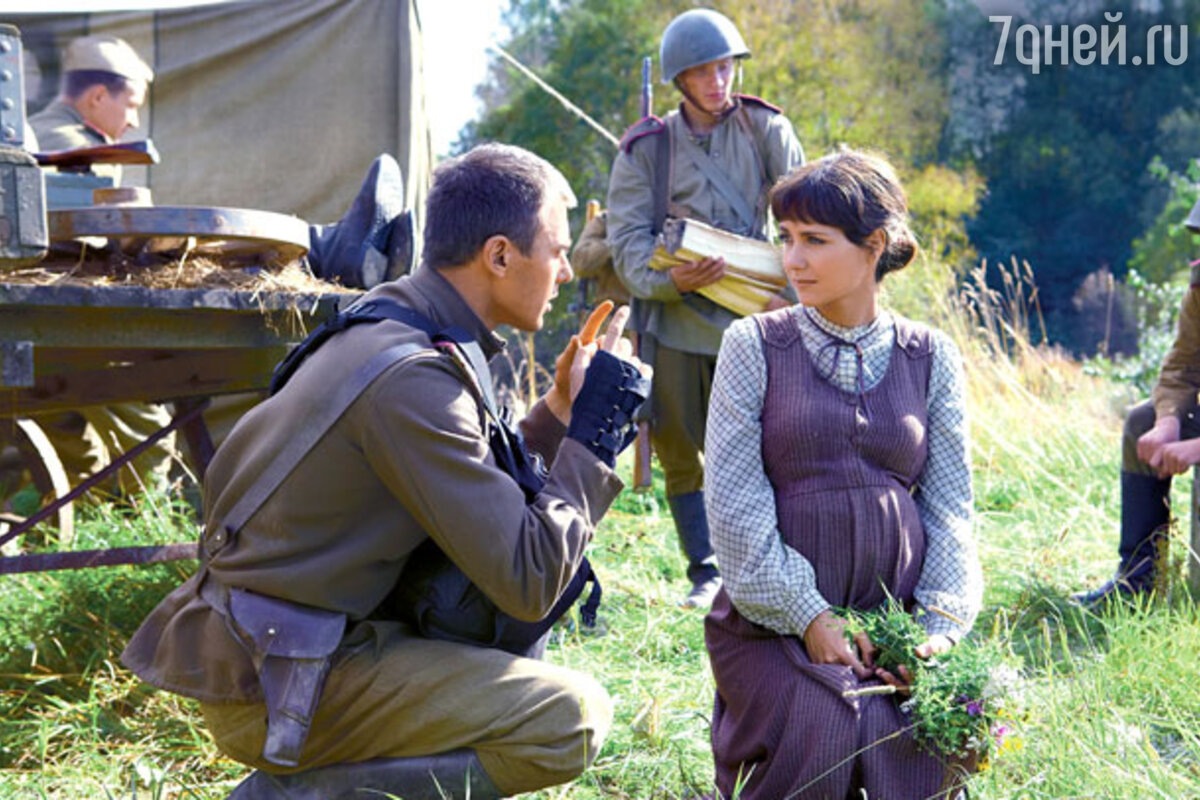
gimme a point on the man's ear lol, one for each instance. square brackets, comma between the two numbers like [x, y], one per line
[495, 252]
[94, 94]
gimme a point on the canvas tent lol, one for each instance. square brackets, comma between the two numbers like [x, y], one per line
[270, 104]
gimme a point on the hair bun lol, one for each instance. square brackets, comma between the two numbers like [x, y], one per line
[900, 251]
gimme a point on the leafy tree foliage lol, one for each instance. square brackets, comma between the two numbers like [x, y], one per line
[1166, 249]
[1066, 151]
[591, 51]
[867, 73]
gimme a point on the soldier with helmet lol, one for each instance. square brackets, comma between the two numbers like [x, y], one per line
[713, 159]
[1161, 439]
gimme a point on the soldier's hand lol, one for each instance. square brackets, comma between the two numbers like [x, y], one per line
[613, 342]
[560, 396]
[1151, 443]
[1177, 458]
[697, 274]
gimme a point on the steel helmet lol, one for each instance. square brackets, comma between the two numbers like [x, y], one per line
[697, 37]
[1193, 219]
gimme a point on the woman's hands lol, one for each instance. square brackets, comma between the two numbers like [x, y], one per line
[826, 642]
[902, 679]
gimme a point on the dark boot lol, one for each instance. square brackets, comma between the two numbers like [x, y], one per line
[1145, 520]
[691, 523]
[356, 250]
[456, 775]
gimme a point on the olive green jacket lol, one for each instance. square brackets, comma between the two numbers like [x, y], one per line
[59, 126]
[409, 460]
[752, 159]
[1179, 379]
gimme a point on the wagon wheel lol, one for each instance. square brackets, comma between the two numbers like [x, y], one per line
[32, 453]
[233, 236]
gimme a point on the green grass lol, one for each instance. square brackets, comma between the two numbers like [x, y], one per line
[1114, 710]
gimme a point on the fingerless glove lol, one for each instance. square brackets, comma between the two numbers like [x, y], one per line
[602, 414]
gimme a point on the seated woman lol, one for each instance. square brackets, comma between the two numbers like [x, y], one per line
[837, 476]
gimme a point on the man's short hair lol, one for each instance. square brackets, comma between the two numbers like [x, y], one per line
[493, 189]
[76, 82]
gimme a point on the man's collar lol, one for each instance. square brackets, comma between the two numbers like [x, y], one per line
[78, 118]
[720, 120]
[447, 307]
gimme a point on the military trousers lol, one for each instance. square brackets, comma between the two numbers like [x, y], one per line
[89, 439]
[391, 694]
[679, 399]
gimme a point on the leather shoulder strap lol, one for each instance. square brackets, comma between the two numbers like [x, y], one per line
[662, 181]
[370, 311]
[307, 436]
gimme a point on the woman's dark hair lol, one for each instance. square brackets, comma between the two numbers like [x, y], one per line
[493, 189]
[857, 193]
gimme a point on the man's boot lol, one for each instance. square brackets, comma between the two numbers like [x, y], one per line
[456, 775]
[691, 523]
[1145, 519]
[357, 251]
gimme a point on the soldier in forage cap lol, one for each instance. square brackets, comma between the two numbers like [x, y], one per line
[104, 86]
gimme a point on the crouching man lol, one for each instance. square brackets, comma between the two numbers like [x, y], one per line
[300, 633]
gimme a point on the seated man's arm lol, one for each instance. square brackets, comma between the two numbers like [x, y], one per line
[429, 446]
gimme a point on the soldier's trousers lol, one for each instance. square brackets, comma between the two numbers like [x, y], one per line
[532, 724]
[679, 398]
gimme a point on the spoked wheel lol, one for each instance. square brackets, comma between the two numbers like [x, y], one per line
[29, 459]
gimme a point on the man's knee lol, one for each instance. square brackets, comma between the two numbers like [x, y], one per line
[587, 714]
[576, 717]
[1138, 421]
[595, 719]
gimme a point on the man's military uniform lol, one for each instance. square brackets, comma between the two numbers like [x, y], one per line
[59, 126]
[88, 439]
[753, 146]
[1145, 498]
[408, 461]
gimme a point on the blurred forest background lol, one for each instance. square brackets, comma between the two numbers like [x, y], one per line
[1083, 171]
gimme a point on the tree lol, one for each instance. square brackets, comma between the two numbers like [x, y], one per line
[1066, 151]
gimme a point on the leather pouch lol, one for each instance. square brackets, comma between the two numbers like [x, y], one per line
[292, 645]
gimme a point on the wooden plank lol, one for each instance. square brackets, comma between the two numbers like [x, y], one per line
[151, 328]
[79, 378]
[86, 559]
[101, 296]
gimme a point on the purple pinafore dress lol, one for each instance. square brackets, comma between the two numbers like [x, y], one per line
[842, 466]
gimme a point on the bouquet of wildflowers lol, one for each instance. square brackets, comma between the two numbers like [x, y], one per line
[964, 703]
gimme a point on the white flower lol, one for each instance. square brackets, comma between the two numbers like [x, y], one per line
[1002, 683]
